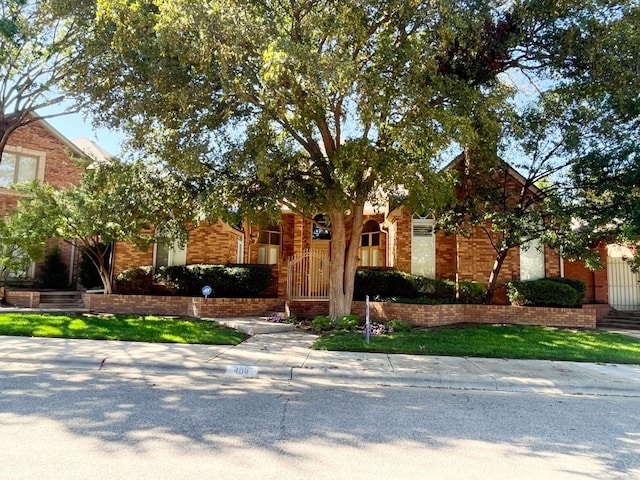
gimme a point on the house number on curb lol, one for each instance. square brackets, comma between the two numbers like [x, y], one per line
[242, 371]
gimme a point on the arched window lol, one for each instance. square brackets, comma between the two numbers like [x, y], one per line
[370, 252]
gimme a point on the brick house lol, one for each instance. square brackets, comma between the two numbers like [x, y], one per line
[298, 251]
[37, 151]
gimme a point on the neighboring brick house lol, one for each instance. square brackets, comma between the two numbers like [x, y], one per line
[37, 151]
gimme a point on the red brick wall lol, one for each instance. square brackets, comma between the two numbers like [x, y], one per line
[180, 306]
[60, 170]
[22, 298]
[437, 315]
[596, 280]
[402, 252]
[212, 244]
[127, 255]
[308, 308]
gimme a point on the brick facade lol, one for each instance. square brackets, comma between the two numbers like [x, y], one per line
[56, 166]
[596, 280]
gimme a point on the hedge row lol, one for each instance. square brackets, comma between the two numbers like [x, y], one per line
[548, 292]
[391, 285]
[188, 280]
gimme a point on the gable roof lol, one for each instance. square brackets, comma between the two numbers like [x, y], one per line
[92, 149]
[510, 170]
[49, 128]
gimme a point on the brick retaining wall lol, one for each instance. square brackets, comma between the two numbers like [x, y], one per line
[437, 315]
[180, 306]
[423, 315]
[22, 298]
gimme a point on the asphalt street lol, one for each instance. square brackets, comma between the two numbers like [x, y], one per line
[71, 424]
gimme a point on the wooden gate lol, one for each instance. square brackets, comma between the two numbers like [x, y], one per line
[308, 277]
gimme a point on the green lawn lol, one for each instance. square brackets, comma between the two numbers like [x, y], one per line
[118, 327]
[495, 342]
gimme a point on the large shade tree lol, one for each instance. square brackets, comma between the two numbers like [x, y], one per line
[38, 40]
[320, 105]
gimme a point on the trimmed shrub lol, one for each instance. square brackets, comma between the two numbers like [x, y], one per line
[348, 322]
[578, 285]
[135, 281]
[384, 284]
[398, 326]
[400, 287]
[236, 281]
[321, 324]
[54, 271]
[541, 293]
[472, 292]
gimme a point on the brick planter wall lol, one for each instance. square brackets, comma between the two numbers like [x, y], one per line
[308, 308]
[423, 315]
[437, 315]
[180, 306]
[22, 298]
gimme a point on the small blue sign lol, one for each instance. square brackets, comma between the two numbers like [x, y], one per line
[206, 291]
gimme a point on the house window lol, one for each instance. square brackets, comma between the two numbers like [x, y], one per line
[532, 260]
[369, 251]
[240, 249]
[168, 254]
[17, 168]
[423, 246]
[268, 245]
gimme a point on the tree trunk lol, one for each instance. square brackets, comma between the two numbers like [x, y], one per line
[343, 260]
[97, 257]
[493, 276]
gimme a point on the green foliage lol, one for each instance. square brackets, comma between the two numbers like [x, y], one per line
[332, 103]
[38, 43]
[383, 284]
[135, 281]
[472, 292]
[54, 271]
[237, 281]
[114, 201]
[578, 285]
[88, 273]
[348, 322]
[542, 293]
[400, 287]
[398, 326]
[321, 324]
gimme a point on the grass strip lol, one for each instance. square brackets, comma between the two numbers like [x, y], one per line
[135, 328]
[494, 341]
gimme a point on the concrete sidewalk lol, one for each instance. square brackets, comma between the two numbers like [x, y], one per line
[286, 355]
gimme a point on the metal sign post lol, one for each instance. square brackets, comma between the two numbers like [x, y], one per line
[206, 291]
[367, 324]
